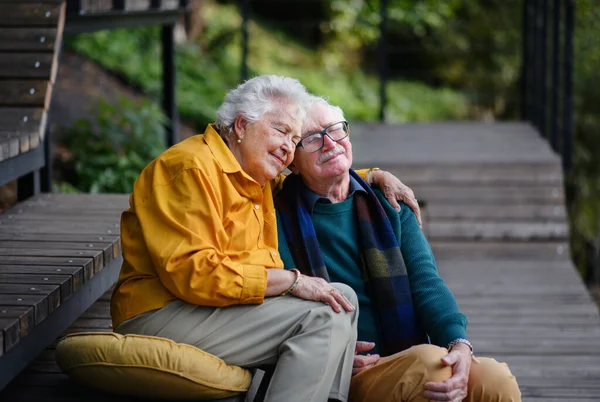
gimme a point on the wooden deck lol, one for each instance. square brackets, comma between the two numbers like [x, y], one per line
[496, 219]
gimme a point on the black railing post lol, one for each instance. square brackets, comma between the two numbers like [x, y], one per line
[244, 11]
[568, 84]
[543, 85]
[535, 93]
[383, 67]
[556, 52]
[28, 185]
[525, 62]
[118, 4]
[74, 7]
[168, 83]
[46, 171]
[155, 4]
[184, 4]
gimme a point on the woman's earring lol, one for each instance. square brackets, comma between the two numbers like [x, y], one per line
[239, 140]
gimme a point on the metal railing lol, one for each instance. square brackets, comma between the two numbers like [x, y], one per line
[547, 72]
[546, 83]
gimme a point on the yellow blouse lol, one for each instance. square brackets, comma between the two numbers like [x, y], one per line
[199, 229]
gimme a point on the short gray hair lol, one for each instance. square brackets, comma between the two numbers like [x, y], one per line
[257, 96]
[314, 100]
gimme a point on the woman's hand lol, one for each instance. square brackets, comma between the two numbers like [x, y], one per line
[394, 190]
[453, 389]
[318, 289]
[363, 362]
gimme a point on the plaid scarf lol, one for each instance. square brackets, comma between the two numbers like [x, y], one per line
[383, 268]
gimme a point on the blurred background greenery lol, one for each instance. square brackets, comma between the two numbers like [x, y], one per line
[450, 60]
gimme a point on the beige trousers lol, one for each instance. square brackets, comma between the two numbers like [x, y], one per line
[401, 377]
[311, 346]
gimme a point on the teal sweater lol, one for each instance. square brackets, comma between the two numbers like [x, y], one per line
[338, 232]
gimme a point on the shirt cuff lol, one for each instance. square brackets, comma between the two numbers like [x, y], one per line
[255, 284]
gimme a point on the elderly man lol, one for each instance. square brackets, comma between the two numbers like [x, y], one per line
[332, 225]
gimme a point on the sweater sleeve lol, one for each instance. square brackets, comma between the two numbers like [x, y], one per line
[434, 302]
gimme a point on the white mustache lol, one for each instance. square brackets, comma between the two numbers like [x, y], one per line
[330, 154]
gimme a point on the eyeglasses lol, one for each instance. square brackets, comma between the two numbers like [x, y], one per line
[336, 132]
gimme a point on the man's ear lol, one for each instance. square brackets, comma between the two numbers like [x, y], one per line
[239, 126]
[293, 168]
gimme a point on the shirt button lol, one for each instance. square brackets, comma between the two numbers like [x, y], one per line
[257, 206]
[274, 253]
[260, 237]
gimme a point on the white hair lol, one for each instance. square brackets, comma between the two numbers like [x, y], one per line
[257, 96]
[315, 100]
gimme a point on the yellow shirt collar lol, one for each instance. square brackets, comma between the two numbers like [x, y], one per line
[221, 151]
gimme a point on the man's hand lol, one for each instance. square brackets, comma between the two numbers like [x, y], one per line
[394, 190]
[453, 389]
[363, 362]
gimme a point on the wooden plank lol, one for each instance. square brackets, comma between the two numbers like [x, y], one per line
[437, 212]
[498, 231]
[24, 92]
[496, 194]
[476, 174]
[24, 314]
[106, 248]
[26, 65]
[464, 250]
[96, 6]
[51, 292]
[64, 281]
[10, 329]
[27, 39]
[170, 4]
[21, 120]
[76, 273]
[24, 13]
[10, 144]
[137, 5]
[86, 263]
[96, 255]
[38, 302]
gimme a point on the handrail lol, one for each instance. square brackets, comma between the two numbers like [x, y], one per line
[555, 123]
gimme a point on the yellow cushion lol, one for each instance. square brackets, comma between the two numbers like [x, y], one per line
[148, 366]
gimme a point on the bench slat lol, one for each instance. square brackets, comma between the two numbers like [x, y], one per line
[38, 302]
[24, 92]
[86, 263]
[26, 65]
[75, 273]
[27, 39]
[137, 5]
[96, 255]
[51, 292]
[105, 248]
[25, 315]
[65, 282]
[24, 13]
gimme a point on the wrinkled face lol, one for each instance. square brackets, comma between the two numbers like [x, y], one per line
[331, 161]
[268, 145]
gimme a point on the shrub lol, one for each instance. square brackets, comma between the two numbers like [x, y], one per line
[110, 151]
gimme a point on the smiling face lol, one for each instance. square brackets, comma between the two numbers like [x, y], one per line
[268, 145]
[330, 162]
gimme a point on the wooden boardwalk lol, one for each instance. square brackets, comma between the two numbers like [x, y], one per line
[496, 218]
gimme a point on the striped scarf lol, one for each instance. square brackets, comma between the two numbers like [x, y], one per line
[383, 267]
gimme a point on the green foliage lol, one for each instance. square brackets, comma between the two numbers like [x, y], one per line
[111, 150]
[207, 69]
[585, 177]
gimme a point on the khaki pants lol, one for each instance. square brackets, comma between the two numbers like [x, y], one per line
[311, 346]
[401, 377]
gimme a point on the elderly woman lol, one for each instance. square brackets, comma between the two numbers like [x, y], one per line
[201, 264]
